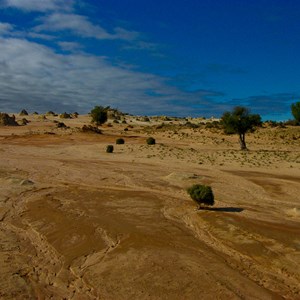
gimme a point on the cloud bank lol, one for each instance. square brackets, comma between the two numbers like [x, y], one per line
[61, 76]
[46, 65]
[39, 5]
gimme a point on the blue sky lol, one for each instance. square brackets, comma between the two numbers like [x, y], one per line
[180, 58]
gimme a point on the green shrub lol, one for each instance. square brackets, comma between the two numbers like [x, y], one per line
[120, 141]
[150, 141]
[201, 194]
[109, 149]
[65, 116]
[99, 115]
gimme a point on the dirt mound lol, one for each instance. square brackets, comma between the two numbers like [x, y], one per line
[6, 120]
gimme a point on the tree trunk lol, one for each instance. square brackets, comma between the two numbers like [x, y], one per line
[242, 142]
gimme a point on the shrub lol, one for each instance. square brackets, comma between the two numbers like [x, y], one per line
[6, 120]
[120, 141]
[51, 113]
[109, 149]
[65, 116]
[295, 107]
[23, 112]
[201, 194]
[150, 141]
[61, 125]
[99, 115]
[291, 123]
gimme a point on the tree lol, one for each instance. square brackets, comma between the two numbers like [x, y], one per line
[240, 121]
[295, 107]
[99, 115]
[201, 194]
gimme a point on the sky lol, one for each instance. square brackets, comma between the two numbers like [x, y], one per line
[150, 57]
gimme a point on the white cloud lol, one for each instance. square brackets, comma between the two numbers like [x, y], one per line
[81, 26]
[35, 77]
[39, 5]
[69, 46]
[6, 28]
[39, 36]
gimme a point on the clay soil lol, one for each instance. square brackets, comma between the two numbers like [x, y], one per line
[79, 223]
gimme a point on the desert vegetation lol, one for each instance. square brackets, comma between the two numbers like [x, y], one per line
[201, 194]
[109, 149]
[150, 141]
[240, 121]
[120, 141]
[295, 107]
[99, 115]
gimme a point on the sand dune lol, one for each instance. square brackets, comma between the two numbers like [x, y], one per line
[79, 223]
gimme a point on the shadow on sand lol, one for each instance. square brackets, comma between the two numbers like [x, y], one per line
[223, 209]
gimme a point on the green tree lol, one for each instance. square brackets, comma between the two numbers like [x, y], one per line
[240, 121]
[295, 107]
[201, 194]
[99, 115]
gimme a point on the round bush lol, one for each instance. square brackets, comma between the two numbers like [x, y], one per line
[201, 194]
[120, 141]
[110, 149]
[150, 141]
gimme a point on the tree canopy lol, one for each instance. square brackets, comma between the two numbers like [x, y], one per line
[201, 194]
[99, 115]
[240, 121]
[295, 107]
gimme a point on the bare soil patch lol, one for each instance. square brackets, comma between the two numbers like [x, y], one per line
[79, 223]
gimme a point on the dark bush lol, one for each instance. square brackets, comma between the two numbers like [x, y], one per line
[61, 125]
[201, 194]
[295, 107]
[110, 149]
[150, 141]
[291, 123]
[6, 120]
[99, 115]
[51, 113]
[23, 113]
[65, 116]
[120, 141]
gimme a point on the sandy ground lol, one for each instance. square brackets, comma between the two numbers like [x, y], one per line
[79, 223]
